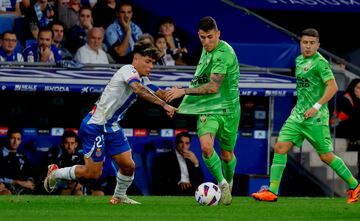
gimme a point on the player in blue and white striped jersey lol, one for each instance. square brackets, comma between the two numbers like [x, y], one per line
[100, 131]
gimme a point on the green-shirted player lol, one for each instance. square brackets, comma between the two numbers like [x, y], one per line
[315, 86]
[213, 95]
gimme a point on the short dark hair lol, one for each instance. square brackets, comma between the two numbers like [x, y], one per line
[119, 5]
[310, 32]
[147, 49]
[13, 130]
[46, 29]
[56, 22]
[7, 32]
[167, 19]
[69, 133]
[180, 135]
[207, 23]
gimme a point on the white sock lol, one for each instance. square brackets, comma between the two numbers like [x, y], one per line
[222, 182]
[122, 184]
[66, 173]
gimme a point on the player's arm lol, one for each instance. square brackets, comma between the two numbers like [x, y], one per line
[212, 87]
[146, 94]
[330, 91]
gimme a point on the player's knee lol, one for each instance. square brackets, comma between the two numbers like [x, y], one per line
[128, 169]
[226, 156]
[280, 148]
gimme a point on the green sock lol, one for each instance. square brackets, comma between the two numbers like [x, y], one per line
[214, 165]
[342, 171]
[276, 171]
[229, 169]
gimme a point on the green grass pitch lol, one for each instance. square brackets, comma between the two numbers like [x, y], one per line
[170, 208]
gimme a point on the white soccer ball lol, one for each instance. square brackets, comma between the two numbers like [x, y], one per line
[208, 194]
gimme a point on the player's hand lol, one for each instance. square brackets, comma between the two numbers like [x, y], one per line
[191, 156]
[310, 113]
[170, 110]
[174, 93]
[184, 186]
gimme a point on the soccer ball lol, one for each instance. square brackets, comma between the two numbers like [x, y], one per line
[208, 194]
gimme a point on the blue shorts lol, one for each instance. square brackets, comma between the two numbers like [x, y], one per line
[97, 143]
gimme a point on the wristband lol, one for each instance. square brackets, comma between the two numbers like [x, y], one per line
[317, 106]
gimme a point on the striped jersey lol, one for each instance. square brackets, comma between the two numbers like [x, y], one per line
[116, 98]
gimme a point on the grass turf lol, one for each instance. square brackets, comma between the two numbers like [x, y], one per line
[68, 208]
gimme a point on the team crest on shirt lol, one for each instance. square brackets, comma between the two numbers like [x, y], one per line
[98, 153]
[202, 118]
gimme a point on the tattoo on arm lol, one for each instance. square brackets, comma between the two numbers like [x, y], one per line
[210, 88]
[146, 94]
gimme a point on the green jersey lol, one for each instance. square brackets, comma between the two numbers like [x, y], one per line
[222, 60]
[311, 76]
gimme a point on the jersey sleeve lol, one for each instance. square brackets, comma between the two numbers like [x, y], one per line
[219, 63]
[129, 74]
[324, 70]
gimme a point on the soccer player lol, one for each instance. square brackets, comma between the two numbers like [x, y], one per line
[309, 119]
[213, 95]
[100, 130]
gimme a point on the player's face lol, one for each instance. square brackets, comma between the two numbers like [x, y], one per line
[209, 39]
[183, 145]
[14, 141]
[309, 45]
[357, 90]
[70, 145]
[143, 64]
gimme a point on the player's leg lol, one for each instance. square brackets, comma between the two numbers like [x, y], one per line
[227, 136]
[119, 150]
[207, 127]
[290, 134]
[93, 148]
[319, 137]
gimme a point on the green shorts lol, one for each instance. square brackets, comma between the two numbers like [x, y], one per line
[225, 127]
[317, 135]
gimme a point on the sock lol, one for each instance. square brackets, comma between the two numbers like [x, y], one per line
[66, 173]
[122, 184]
[276, 171]
[214, 165]
[338, 165]
[229, 169]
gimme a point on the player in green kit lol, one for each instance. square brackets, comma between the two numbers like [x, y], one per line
[315, 86]
[213, 95]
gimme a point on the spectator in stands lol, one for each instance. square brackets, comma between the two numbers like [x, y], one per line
[58, 29]
[92, 51]
[69, 13]
[15, 172]
[122, 34]
[346, 117]
[167, 28]
[77, 35]
[10, 7]
[41, 14]
[65, 155]
[43, 50]
[104, 7]
[167, 55]
[177, 172]
[7, 50]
